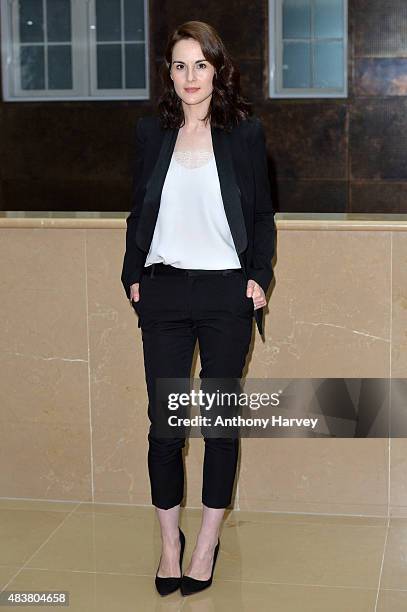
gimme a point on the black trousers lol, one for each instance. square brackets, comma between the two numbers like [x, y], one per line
[176, 309]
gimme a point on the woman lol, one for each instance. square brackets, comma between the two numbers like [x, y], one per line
[199, 244]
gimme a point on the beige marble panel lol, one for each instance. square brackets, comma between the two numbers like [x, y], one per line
[45, 437]
[329, 316]
[398, 463]
[329, 312]
[338, 324]
[46, 461]
[399, 312]
[118, 396]
[44, 391]
[341, 476]
[34, 504]
[398, 482]
[43, 293]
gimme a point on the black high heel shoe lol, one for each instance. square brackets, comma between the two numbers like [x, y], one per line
[191, 585]
[165, 586]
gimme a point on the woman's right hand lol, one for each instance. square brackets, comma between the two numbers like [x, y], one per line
[134, 292]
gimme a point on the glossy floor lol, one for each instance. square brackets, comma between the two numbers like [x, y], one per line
[106, 557]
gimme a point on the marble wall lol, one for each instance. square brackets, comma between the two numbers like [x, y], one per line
[72, 394]
[326, 155]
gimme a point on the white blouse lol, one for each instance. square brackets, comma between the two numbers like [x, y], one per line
[192, 230]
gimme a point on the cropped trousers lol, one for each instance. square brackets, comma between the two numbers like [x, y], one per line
[177, 308]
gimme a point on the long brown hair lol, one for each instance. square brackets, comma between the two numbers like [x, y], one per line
[227, 107]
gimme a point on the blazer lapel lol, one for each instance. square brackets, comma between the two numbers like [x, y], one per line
[229, 188]
[230, 191]
[152, 197]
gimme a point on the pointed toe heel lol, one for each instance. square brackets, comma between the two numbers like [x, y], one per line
[190, 585]
[165, 586]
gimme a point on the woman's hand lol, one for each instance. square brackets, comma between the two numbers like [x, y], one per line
[256, 293]
[134, 292]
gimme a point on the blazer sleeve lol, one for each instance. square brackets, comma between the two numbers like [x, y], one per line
[134, 257]
[260, 268]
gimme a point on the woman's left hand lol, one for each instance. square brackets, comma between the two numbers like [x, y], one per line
[256, 293]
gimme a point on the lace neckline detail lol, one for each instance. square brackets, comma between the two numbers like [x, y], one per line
[193, 158]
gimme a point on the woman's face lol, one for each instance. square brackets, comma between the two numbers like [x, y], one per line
[191, 73]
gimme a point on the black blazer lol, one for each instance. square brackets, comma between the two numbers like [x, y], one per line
[241, 160]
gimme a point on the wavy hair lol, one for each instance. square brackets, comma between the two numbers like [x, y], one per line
[227, 107]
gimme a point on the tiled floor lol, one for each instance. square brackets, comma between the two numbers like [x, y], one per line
[106, 557]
